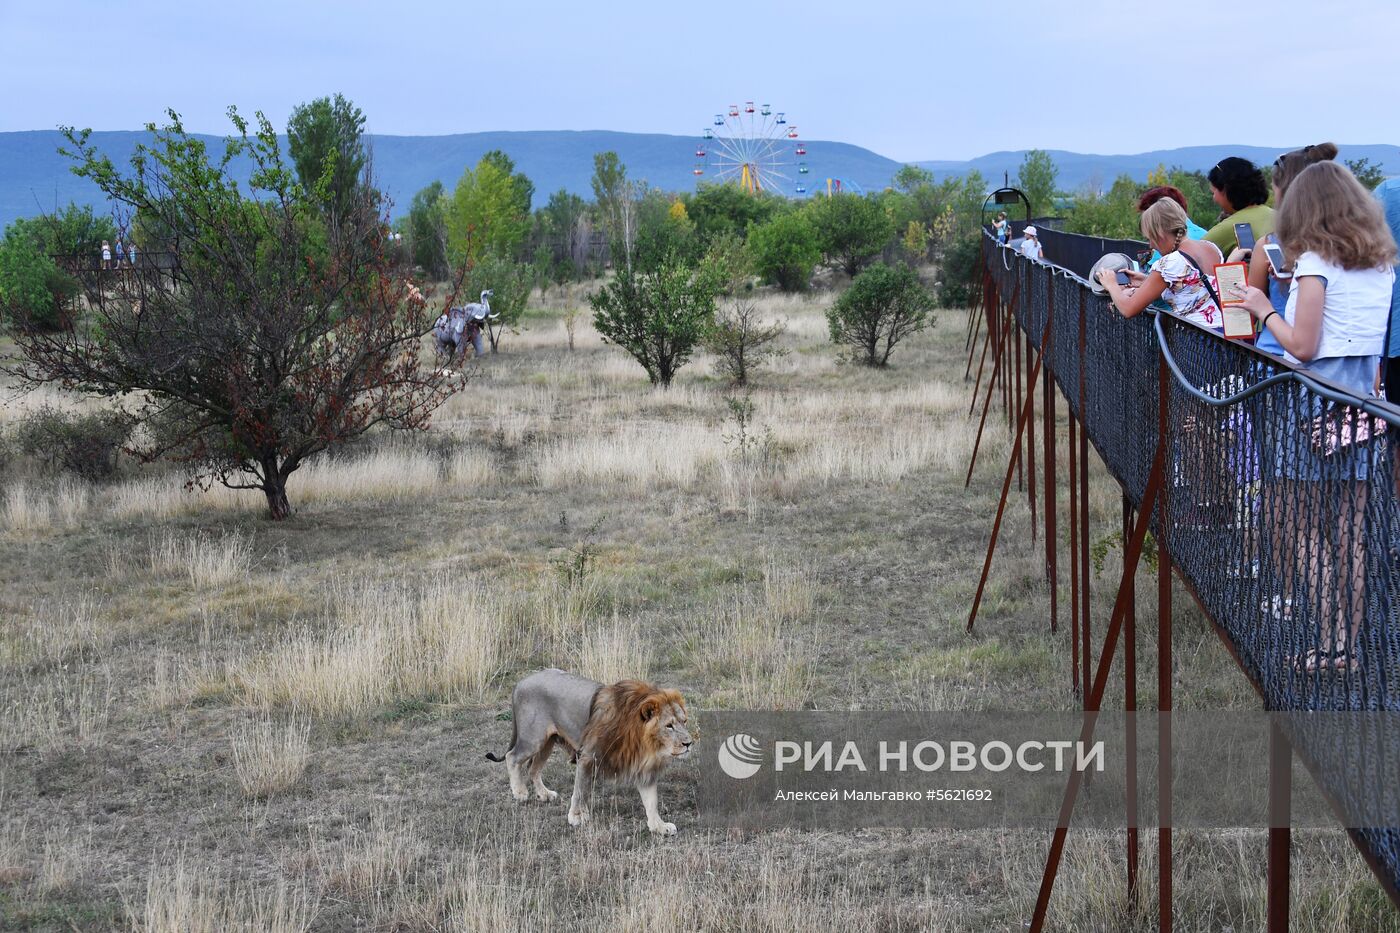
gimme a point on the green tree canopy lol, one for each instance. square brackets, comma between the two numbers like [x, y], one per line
[851, 230]
[326, 142]
[884, 305]
[510, 283]
[27, 275]
[1368, 174]
[427, 230]
[1037, 179]
[524, 187]
[912, 177]
[613, 195]
[484, 214]
[784, 250]
[32, 285]
[718, 210]
[561, 230]
[659, 317]
[663, 230]
[1112, 213]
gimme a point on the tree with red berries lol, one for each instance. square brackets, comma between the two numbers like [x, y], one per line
[269, 330]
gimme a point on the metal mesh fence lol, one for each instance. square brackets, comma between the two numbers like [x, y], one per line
[1281, 508]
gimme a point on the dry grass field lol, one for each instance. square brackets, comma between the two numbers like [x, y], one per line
[209, 721]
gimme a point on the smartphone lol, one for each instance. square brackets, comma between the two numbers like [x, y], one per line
[1244, 235]
[1274, 252]
[1122, 278]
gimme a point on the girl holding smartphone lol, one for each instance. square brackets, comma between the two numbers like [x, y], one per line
[1262, 275]
[1333, 326]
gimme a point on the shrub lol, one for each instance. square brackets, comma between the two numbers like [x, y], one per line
[509, 282]
[851, 230]
[884, 305]
[784, 251]
[85, 445]
[740, 340]
[32, 288]
[658, 317]
[961, 272]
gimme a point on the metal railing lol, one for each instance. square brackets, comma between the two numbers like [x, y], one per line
[1270, 491]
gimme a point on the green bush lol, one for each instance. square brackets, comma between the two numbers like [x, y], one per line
[851, 230]
[33, 290]
[784, 251]
[658, 317]
[961, 272]
[884, 305]
[510, 283]
[85, 445]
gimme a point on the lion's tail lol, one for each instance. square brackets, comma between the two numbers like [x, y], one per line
[514, 732]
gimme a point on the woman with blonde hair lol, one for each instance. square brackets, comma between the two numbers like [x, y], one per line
[1334, 327]
[1179, 277]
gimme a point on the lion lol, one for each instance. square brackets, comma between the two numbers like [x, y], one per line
[625, 732]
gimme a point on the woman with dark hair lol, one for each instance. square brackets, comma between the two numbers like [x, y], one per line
[1240, 190]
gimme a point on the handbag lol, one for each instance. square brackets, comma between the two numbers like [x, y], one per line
[1205, 280]
[1334, 432]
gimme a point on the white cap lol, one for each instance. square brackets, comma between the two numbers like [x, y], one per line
[1030, 230]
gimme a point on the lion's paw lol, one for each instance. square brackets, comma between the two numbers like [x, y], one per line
[578, 817]
[663, 829]
[547, 795]
[520, 795]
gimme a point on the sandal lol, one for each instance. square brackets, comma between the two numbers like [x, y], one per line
[1316, 660]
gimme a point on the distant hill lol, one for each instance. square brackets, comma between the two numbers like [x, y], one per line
[1078, 170]
[34, 178]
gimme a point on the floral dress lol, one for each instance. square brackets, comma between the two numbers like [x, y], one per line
[1186, 291]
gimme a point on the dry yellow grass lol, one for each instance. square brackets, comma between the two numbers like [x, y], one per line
[14, 850]
[372, 626]
[15, 406]
[642, 456]
[270, 755]
[50, 712]
[613, 652]
[373, 861]
[51, 633]
[154, 498]
[32, 507]
[758, 650]
[204, 559]
[64, 860]
[180, 898]
[393, 472]
[443, 640]
[555, 613]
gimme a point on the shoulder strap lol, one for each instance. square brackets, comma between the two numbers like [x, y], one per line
[1205, 278]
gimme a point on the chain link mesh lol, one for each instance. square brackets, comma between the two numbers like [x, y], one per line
[1281, 508]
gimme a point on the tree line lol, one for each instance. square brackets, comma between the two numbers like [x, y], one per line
[290, 318]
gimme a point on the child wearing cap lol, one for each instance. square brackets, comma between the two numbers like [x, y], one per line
[1030, 245]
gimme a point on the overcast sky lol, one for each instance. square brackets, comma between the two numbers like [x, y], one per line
[923, 79]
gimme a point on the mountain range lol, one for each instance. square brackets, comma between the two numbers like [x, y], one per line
[34, 178]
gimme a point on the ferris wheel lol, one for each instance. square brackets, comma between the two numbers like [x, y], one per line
[754, 147]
